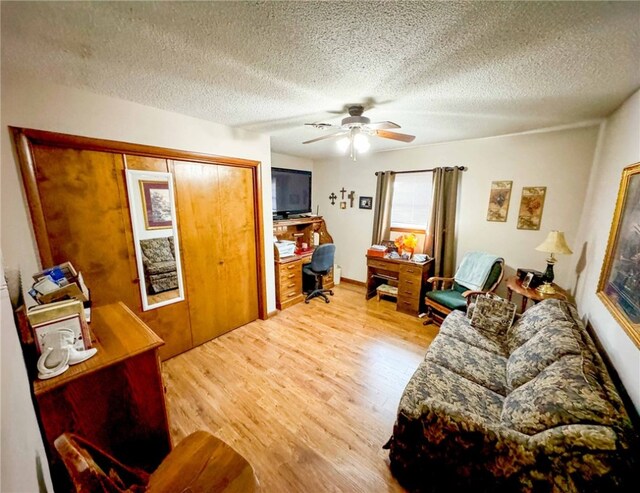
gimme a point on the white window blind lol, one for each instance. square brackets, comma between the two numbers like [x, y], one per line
[411, 201]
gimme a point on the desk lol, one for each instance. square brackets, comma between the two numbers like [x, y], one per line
[289, 279]
[115, 399]
[410, 277]
[289, 269]
[515, 285]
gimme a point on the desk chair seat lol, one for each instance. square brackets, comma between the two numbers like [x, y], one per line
[201, 463]
[447, 294]
[320, 265]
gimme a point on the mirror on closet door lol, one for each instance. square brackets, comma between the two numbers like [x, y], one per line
[155, 234]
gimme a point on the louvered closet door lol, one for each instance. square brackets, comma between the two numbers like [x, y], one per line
[217, 229]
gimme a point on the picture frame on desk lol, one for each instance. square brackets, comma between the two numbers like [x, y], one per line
[526, 282]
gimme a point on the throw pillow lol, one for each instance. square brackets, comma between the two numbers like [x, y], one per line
[493, 314]
[546, 347]
[558, 396]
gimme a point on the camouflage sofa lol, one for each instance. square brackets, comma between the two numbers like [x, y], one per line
[532, 409]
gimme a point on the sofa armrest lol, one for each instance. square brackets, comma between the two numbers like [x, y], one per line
[440, 283]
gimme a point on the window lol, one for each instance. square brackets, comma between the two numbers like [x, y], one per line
[411, 201]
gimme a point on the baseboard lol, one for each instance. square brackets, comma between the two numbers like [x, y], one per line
[272, 314]
[352, 281]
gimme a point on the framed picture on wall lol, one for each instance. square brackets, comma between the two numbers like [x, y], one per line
[499, 199]
[366, 202]
[156, 204]
[619, 285]
[531, 206]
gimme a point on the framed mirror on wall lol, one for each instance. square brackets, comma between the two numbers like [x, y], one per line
[155, 235]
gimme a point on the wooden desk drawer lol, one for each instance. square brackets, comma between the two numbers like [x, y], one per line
[409, 282]
[381, 264]
[408, 304]
[411, 271]
[410, 290]
[287, 285]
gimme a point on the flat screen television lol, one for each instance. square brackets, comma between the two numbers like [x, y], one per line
[290, 192]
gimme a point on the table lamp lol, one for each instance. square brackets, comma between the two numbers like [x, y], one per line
[555, 243]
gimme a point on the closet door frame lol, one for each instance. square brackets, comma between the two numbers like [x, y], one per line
[24, 140]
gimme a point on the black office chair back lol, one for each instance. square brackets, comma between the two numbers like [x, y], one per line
[322, 259]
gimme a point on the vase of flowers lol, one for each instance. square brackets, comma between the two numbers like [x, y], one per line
[406, 243]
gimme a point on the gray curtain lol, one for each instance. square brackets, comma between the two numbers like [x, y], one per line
[382, 211]
[440, 241]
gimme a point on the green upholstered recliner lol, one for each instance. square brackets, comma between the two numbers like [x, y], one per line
[448, 295]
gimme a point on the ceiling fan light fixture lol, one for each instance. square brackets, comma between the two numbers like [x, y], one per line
[343, 143]
[361, 142]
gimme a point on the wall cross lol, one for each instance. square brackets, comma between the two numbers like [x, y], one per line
[343, 191]
[333, 198]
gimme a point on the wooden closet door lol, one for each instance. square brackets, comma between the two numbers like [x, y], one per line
[216, 221]
[82, 193]
[237, 218]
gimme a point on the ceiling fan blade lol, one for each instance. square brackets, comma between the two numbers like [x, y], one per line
[395, 136]
[329, 136]
[382, 125]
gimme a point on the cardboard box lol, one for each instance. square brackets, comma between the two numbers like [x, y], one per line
[372, 252]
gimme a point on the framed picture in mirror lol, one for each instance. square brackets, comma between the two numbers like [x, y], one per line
[156, 204]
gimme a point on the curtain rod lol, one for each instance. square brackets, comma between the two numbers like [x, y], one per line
[447, 168]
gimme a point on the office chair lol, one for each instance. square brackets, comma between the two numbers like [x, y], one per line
[320, 265]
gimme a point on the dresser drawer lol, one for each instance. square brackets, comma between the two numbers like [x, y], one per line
[411, 271]
[408, 304]
[381, 264]
[289, 285]
[411, 290]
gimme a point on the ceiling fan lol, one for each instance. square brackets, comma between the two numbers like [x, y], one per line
[355, 129]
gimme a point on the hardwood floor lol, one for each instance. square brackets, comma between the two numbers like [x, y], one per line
[307, 397]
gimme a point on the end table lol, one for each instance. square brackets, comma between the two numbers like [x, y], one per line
[515, 285]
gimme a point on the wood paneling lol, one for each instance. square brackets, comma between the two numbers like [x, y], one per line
[307, 397]
[82, 206]
[145, 163]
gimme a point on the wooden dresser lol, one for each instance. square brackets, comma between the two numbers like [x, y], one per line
[115, 399]
[409, 277]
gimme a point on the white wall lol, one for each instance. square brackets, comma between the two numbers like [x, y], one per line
[559, 160]
[618, 147]
[291, 162]
[24, 466]
[62, 109]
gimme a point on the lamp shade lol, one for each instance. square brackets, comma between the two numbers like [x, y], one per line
[555, 243]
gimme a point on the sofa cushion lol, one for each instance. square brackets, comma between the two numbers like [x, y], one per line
[457, 325]
[161, 267]
[156, 250]
[450, 298]
[559, 395]
[546, 347]
[493, 314]
[532, 320]
[479, 366]
[432, 382]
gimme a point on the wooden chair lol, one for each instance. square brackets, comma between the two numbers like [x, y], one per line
[448, 295]
[201, 463]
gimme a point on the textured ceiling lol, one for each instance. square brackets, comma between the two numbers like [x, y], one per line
[443, 71]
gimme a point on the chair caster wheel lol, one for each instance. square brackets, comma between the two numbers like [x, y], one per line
[331, 293]
[306, 301]
[326, 301]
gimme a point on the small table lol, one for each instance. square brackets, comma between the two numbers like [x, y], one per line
[515, 285]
